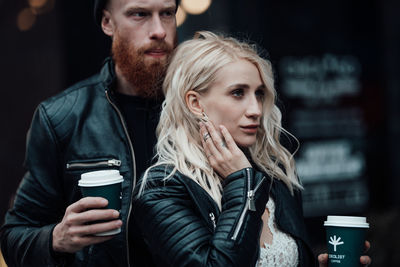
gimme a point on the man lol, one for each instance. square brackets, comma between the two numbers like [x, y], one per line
[105, 122]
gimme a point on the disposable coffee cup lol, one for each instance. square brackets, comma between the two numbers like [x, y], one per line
[106, 184]
[345, 237]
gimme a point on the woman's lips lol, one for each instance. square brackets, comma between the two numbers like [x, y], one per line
[251, 129]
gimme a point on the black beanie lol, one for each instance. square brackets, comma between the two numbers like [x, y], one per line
[99, 6]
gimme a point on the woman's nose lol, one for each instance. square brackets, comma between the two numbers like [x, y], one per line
[254, 108]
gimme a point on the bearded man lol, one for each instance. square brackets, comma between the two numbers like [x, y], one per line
[105, 122]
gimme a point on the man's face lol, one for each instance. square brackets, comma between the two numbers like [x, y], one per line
[144, 35]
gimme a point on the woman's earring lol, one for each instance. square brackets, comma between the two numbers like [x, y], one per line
[205, 117]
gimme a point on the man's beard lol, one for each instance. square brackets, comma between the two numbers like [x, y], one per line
[146, 79]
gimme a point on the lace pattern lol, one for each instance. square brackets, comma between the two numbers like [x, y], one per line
[283, 250]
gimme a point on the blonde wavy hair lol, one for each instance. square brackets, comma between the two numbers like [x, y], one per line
[194, 66]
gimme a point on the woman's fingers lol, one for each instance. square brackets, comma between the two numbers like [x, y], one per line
[223, 158]
[205, 135]
[229, 142]
[323, 260]
[219, 143]
[210, 150]
[365, 260]
[367, 245]
[214, 143]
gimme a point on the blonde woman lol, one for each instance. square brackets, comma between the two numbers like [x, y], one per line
[224, 191]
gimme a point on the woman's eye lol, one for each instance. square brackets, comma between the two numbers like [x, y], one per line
[237, 92]
[260, 93]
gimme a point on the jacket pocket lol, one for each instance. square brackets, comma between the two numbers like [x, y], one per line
[92, 164]
[75, 168]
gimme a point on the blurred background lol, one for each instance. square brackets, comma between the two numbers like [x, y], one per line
[337, 75]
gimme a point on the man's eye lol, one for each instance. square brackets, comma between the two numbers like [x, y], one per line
[168, 14]
[138, 14]
[237, 92]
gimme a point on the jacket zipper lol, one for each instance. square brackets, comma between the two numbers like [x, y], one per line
[250, 205]
[134, 171]
[212, 217]
[110, 162]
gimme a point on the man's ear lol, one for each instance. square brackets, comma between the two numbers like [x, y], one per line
[107, 24]
[193, 102]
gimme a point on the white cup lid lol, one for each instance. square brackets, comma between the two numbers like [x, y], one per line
[347, 221]
[100, 178]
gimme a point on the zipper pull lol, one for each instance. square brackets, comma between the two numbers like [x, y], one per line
[114, 162]
[212, 217]
[250, 197]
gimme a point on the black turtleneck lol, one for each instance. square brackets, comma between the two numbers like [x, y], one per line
[141, 116]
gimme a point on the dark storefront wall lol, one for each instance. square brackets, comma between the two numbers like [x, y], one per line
[62, 47]
[31, 69]
[336, 67]
[337, 76]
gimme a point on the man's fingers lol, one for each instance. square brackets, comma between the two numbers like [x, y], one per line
[91, 229]
[88, 203]
[90, 240]
[92, 215]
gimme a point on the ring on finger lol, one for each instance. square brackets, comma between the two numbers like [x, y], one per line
[206, 136]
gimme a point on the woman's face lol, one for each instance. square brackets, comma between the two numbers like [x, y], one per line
[235, 100]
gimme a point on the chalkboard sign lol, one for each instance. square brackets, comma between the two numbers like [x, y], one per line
[324, 114]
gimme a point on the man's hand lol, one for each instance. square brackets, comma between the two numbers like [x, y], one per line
[72, 233]
[364, 260]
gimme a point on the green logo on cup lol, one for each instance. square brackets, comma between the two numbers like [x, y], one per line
[335, 242]
[345, 236]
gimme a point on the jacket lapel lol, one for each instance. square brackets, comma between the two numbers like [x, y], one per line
[288, 211]
[203, 203]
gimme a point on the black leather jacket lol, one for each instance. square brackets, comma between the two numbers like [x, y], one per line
[76, 131]
[181, 224]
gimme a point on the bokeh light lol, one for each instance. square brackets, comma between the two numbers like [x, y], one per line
[41, 6]
[25, 19]
[195, 7]
[180, 16]
[37, 3]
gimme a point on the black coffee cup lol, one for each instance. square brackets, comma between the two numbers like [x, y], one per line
[106, 184]
[345, 237]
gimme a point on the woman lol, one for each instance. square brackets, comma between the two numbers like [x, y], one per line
[224, 191]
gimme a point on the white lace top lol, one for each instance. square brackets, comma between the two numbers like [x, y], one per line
[283, 250]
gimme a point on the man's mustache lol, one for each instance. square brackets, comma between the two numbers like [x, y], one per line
[156, 46]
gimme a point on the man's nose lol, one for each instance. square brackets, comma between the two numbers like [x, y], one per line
[157, 30]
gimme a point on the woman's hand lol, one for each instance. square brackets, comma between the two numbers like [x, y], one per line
[225, 157]
[364, 260]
